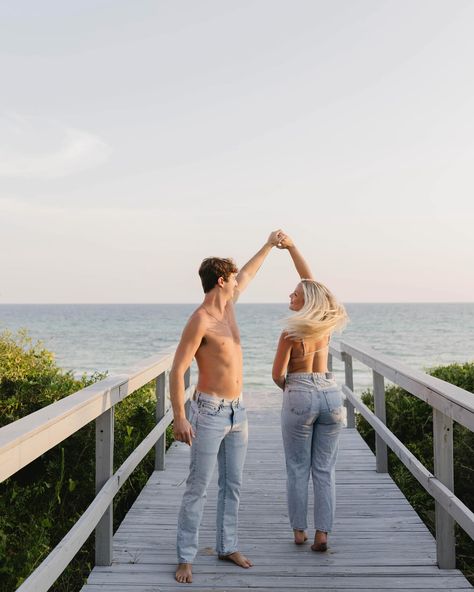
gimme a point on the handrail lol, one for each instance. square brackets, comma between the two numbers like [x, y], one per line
[447, 398]
[449, 403]
[24, 440]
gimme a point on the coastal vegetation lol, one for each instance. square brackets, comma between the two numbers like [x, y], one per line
[411, 420]
[40, 503]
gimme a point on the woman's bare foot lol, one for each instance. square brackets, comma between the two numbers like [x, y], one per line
[320, 541]
[238, 559]
[184, 573]
[300, 536]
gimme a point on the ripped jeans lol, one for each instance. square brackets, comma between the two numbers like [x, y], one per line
[311, 422]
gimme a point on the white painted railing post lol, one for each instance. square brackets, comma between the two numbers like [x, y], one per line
[444, 471]
[104, 468]
[349, 381]
[381, 457]
[160, 446]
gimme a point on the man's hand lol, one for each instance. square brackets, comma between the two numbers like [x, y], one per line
[275, 237]
[183, 431]
[285, 242]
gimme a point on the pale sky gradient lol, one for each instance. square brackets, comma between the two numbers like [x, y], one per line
[137, 138]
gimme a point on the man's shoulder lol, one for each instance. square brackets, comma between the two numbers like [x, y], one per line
[198, 318]
[199, 314]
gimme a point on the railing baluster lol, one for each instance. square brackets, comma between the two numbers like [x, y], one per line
[160, 446]
[443, 470]
[104, 468]
[379, 410]
[349, 381]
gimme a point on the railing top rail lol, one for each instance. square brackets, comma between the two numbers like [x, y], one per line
[24, 440]
[455, 402]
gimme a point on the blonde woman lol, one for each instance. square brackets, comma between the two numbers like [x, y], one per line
[311, 417]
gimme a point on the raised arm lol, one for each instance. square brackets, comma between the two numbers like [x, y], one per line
[248, 271]
[187, 347]
[301, 266]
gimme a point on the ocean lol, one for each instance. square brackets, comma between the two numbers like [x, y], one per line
[112, 337]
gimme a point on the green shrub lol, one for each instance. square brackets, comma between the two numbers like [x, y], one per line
[411, 420]
[40, 503]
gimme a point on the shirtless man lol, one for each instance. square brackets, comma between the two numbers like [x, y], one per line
[217, 427]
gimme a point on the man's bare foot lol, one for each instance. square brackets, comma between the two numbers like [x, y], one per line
[300, 536]
[320, 541]
[184, 573]
[238, 559]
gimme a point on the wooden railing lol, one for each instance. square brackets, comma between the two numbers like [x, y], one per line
[26, 439]
[450, 403]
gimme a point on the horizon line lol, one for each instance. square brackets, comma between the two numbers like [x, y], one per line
[261, 303]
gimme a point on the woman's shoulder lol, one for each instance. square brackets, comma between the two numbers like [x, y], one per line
[286, 335]
[286, 339]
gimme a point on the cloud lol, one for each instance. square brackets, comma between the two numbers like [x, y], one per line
[41, 149]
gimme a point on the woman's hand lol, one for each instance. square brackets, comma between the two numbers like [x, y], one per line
[286, 242]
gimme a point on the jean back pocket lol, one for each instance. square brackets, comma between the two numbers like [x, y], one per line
[299, 401]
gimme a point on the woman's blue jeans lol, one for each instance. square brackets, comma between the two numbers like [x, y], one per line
[221, 435]
[311, 422]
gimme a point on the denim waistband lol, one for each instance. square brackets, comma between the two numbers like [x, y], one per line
[320, 380]
[231, 403]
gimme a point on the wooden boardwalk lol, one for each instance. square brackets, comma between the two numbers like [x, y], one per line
[378, 543]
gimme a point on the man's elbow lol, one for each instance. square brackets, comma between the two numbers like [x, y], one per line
[177, 371]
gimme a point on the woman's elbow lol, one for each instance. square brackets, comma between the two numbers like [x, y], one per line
[278, 379]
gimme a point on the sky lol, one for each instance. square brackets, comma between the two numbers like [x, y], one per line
[137, 138]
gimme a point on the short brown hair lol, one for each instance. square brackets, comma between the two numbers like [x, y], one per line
[213, 268]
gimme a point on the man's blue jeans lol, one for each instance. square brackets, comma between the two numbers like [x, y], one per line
[221, 435]
[311, 422]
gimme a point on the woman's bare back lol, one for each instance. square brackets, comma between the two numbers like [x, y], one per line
[309, 356]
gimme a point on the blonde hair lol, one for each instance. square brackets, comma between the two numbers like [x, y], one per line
[321, 313]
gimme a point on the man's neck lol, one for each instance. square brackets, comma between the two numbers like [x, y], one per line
[214, 301]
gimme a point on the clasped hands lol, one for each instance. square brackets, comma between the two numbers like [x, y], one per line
[280, 239]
